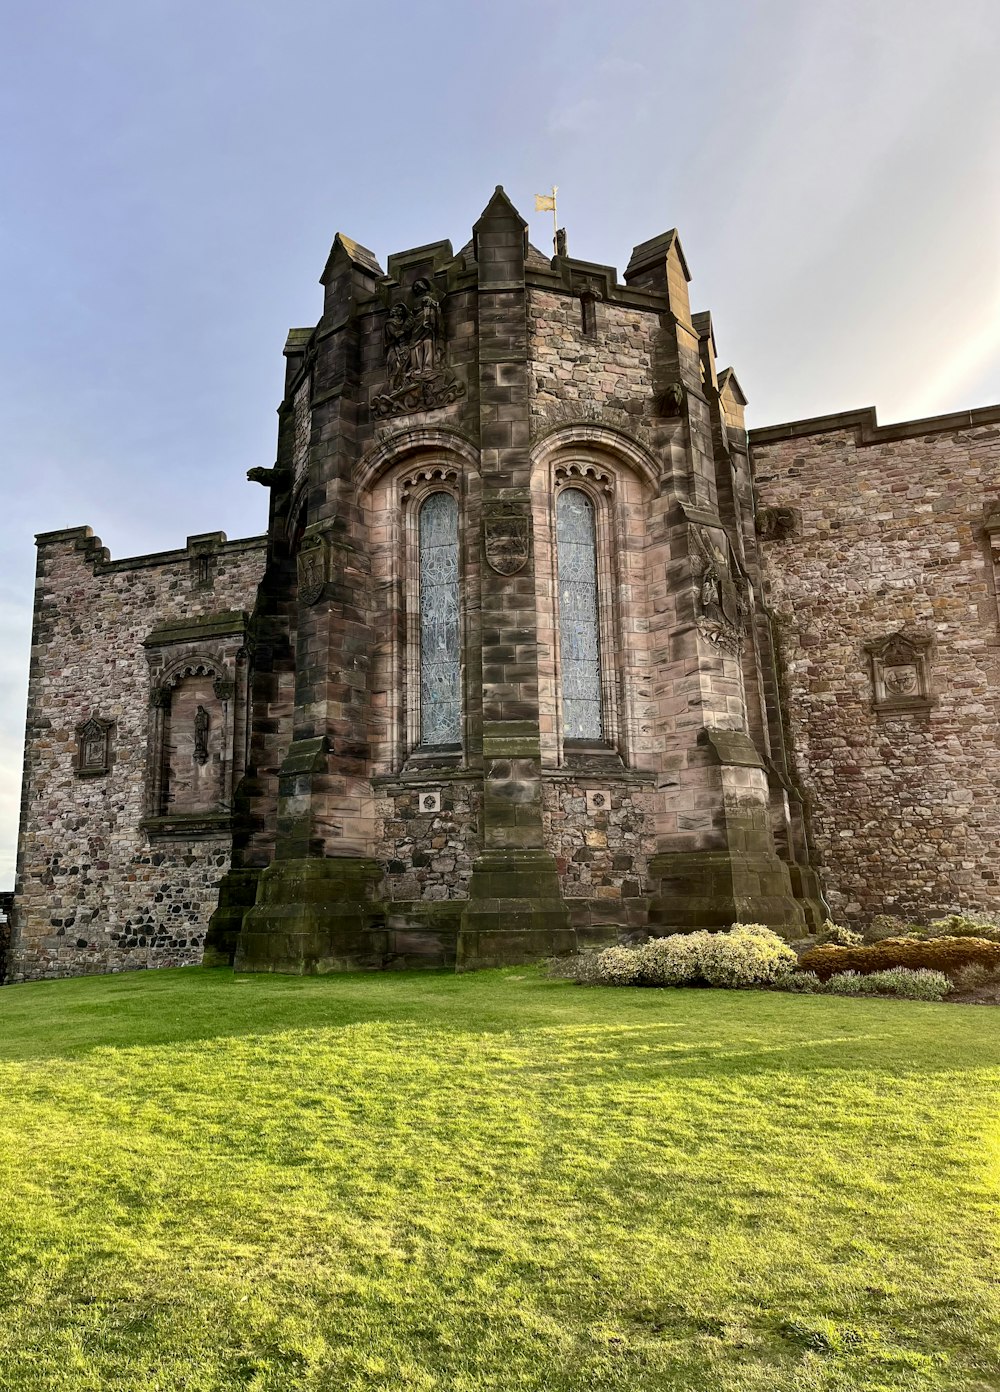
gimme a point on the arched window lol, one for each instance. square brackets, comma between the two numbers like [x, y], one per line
[440, 634]
[579, 620]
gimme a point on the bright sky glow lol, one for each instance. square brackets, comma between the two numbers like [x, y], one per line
[174, 172]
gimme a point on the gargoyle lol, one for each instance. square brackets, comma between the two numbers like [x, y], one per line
[268, 477]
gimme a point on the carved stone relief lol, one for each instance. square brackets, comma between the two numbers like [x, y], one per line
[419, 378]
[778, 523]
[93, 756]
[201, 724]
[313, 566]
[720, 604]
[900, 674]
[506, 539]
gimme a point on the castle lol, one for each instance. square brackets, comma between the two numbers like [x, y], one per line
[540, 650]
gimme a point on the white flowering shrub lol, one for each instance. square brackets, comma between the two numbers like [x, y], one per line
[748, 955]
[831, 932]
[617, 966]
[671, 961]
[905, 982]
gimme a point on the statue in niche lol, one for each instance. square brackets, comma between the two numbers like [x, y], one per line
[201, 724]
[93, 749]
[419, 379]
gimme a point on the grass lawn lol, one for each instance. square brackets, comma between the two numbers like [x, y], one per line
[425, 1181]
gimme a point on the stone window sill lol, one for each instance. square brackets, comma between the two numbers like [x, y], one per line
[188, 826]
[916, 705]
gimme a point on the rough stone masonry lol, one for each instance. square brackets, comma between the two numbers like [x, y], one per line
[540, 649]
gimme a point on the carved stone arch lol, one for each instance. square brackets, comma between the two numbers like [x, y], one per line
[192, 665]
[589, 441]
[395, 481]
[403, 445]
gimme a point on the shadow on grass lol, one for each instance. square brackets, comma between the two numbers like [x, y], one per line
[712, 1032]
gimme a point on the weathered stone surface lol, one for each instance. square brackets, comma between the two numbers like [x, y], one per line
[96, 890]
[753, 675]
[894, 537]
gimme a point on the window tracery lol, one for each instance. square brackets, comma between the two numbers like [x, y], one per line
[440, 628]
[579, 625]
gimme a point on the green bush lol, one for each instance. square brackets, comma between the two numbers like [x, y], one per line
[831, 932]
[959, 925]
[948, 955]
[671, 961]
[748, 955]
[908, 984]
[803, 982]
[885, 926]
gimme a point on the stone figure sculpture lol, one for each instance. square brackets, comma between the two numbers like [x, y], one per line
[201, 723]
[418, 378]
[721, 607]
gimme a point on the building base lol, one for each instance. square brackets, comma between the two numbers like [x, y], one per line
[237, 896]
[714, 889]
[314, 916]
[515, 912]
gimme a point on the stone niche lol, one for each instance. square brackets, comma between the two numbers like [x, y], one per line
[197, 701]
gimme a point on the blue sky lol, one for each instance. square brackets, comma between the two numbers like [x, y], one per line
[172, 174]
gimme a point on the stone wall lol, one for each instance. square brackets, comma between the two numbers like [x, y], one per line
[869, 533]
[608, 367]
[96, 889]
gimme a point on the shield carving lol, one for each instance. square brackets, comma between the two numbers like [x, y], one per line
[506, 539]
[312, 570]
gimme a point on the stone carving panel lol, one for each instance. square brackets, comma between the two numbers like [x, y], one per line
[93, 747]
[313, 567]
[778, 523]
[419, 378]
[720, 605]
[900, 673]
[506, 537]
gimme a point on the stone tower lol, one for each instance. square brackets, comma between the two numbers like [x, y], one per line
[511, 686]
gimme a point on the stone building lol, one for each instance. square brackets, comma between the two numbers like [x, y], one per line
[538, 650]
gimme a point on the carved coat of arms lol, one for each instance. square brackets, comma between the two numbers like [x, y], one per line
[506, 539]
[312, 570]
[419, 379]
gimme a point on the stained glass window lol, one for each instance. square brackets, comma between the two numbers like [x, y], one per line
[579, 641]
[440, 645]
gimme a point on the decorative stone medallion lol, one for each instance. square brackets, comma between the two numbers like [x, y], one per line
[598, 800]
[505, 535]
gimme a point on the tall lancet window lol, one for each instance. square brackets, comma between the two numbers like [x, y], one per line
[440, 645]
[579, 630]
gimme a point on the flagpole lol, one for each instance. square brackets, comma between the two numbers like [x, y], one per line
[555, 216]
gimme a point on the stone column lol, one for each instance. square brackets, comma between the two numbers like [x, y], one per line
[315, 910]
[716, 860]
[515, 911]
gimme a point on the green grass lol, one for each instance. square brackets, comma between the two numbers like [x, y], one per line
[425, 1181]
